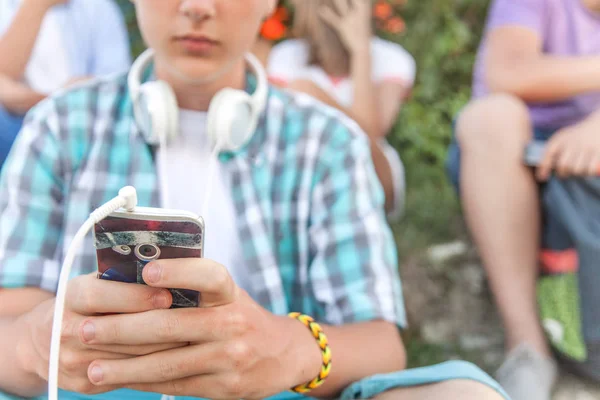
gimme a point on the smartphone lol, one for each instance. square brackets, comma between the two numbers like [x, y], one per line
[127, 241]
[534, 153]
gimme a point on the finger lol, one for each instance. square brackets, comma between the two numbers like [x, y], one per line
[329, 16]
[162, 326]
[136, 350]
[593, 168]
[215, 386]
[88, 295]
[342, 6]
[209, 278]
[566, 161]
[73, 365]
[547, 163]
[364, 6]
[159, 367]
[581, 164]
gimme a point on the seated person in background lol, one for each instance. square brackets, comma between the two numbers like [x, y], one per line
[295, 223]
[537, 77]
[336, 59]
[48, 44]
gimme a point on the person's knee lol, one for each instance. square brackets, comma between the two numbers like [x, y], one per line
[458, 389]
[468, 390]
[493, 123]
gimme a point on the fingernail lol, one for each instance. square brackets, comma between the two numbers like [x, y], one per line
[162, 300]
[96, 374]
[152, 273]
[89, 331]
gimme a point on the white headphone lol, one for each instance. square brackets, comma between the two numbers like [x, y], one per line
[232, 115]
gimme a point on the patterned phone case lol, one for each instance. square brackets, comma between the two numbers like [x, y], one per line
[125, 242]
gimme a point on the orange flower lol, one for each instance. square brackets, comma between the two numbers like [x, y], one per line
[395, 25]
[273, 29]
[382, 10]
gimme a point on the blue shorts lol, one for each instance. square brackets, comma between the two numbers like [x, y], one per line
[365, 389]
[10, 125]
[453, 160]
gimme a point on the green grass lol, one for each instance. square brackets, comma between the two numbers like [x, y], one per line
[432, 214]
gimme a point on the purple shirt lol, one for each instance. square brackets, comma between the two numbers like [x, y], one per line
[567, 28]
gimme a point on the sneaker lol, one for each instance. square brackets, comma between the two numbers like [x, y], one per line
[527, 375]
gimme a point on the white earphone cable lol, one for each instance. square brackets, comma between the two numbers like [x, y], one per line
[127, 199]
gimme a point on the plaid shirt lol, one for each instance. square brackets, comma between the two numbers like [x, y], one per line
[308, 203]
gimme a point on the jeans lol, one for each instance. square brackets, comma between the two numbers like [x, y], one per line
[10, 125]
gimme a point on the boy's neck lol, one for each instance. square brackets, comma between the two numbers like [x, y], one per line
[197, 95]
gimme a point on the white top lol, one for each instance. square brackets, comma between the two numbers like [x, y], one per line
[81, 38]
[48, 66]
[289, 61]
[186, 172]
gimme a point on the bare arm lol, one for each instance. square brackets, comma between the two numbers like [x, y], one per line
[515, 64]
[356, 354]
[14, 304]
[16, 97]
[374, 106]
[20, 38]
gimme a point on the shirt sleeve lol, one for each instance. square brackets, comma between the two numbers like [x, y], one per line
[112, 52]
[392, 63]
[286, 61]
[31, 204]
[526, 13]
[353, 268]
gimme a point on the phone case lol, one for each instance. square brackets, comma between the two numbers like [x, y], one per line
[126, 241]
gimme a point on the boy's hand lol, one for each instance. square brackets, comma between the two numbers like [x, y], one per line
[573, 151]
[237, 349]
[86, 296]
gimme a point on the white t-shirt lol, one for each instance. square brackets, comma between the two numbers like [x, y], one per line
[81, 38]
[48, 66]
[186, 172]
[289, 61]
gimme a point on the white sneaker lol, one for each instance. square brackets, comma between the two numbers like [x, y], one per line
[527, 375]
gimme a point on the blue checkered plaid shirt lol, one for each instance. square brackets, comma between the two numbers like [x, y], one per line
[308, 203]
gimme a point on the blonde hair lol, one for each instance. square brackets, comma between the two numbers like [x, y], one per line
[326, 48]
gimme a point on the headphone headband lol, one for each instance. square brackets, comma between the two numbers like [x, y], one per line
[258, 98]
[261, 92]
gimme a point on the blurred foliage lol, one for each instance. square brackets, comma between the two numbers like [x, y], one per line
[137, 44]
[443, 36]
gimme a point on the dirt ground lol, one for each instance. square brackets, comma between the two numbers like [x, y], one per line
[451, 315]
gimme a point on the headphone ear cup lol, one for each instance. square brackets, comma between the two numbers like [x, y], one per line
[158, 112]
[231, 121]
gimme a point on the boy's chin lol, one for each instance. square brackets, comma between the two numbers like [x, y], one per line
[198, 71]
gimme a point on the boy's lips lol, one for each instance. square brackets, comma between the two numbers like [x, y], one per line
[197, 43]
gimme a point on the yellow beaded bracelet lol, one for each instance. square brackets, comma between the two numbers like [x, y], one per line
[321, 339]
